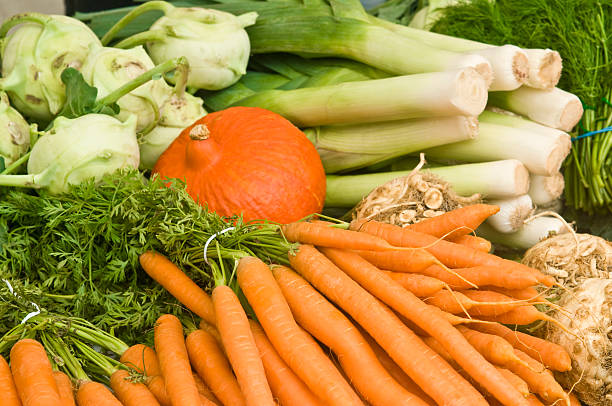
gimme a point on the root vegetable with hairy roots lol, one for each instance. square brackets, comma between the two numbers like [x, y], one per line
[582, 265]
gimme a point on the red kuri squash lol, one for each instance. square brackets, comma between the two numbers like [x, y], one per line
[249, 161]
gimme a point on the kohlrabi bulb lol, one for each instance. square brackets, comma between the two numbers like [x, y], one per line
[34, 54]
[176, 113]
[107, 69]
[14, 132]
[74, 150]
[214, 42]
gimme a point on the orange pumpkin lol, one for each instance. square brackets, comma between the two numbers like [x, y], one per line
[249, 161]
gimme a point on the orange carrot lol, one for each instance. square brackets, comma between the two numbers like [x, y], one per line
[550, 354]
[539, 379]
[520, 316]
[419, 285]
[534, 401]
[395, 371]
[327, 236]
[239, 344]
[493, 303]
[455, 223]
[494, 348]
[574, 400]
[175, 281]
[450, 254]
[405, 303]
[95, 394]
[474, 242]
[425, 368]
[174, 361]
[7, 385]
[141, 358]
[328, 325]
[286, 386]
[64, 388]
[450, 302]
[209, 361]
[205, 391]
[294, 345]
[531, 294]
[482, 275]
[157, 386]
[131, 393]
[212, 330]
[400, 261]
[517, 382]
[33, 374]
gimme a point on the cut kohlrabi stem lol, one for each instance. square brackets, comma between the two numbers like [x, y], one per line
[500, 179]
[541, 154]
[345, 147]
[544, 68]
[544, 190]
[449, 93]
[554, 107]
[531, 233]
[512, 213]
[214, 42]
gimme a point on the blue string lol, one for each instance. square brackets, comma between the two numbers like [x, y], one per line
[590, 133]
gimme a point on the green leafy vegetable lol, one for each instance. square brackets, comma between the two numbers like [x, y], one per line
[81, 97]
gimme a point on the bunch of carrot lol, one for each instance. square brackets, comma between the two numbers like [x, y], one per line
[374, 314]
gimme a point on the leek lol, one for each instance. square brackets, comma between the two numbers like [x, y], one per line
[460, 92]
[353, 146]
[554, 107]
[544, 68]
[512, 213]
[500, 179]
[534, 231]
[541, 154]
[544, 190]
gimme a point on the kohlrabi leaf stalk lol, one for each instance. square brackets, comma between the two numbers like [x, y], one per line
[34, 55]
[214, 42]
[14, 133]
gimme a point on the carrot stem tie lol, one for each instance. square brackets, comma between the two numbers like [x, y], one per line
[212, 237]
[29, 315]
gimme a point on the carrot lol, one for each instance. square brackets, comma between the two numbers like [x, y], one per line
[157, 386]
[328, 325]
[482, 275]
[141, 358]
[574, 400]
[400, 261]
[212, 330]
[175, 281]
[64, 388]
[450, 302]
[131, 393]
[286, 386]
[455, 223]
[517, 382]
[450, 254]
[534, 401]
[550, 354]
[539, 379]
[493, 303]
[394, 370]
[239, 344]
[33, 375]
[174, 361]
[494, 348]
[95, 394]
[295, 346]
[414, 309]
[425, 368]
[520, 316]
[473, 241]
[7, 385]
[205, 391]
[209, 361]
[419, 285]
[531, 294]
[327, 236]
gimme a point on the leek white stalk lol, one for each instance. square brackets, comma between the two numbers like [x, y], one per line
[544, 190]
[509, 119]
[500, 179]
[448, 93]
[527, 236]
[541, 154]
[554, 107]
[512, 213]
[544, 68]
[344, 147]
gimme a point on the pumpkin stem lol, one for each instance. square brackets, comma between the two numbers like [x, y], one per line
[199, 132]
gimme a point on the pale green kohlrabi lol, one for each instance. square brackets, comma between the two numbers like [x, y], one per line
[34, 54]
[74, 150]
[14, 132]
[162, 111]
[214, 42]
